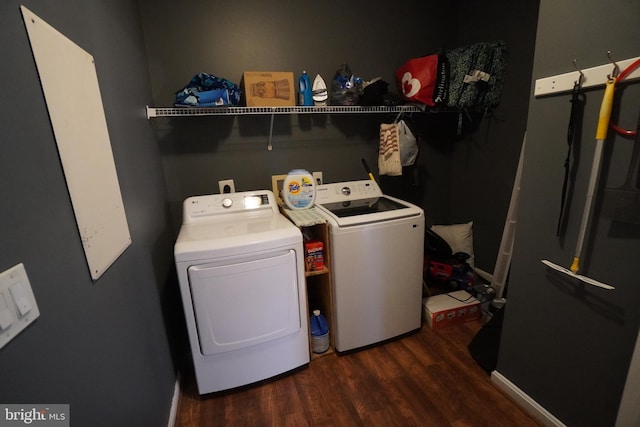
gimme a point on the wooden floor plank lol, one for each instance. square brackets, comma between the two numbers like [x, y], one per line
[336, 397]
[424, 379]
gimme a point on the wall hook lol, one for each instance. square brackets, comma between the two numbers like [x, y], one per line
[616, 69]
[581, 77]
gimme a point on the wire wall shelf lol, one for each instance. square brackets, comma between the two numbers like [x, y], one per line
[239, 111]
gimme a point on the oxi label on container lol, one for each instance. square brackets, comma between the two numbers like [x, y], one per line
[299, 191]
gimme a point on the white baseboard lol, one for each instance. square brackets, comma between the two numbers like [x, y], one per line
[526, 402]
[174, 403]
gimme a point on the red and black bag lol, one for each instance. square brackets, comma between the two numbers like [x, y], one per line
[424, 80]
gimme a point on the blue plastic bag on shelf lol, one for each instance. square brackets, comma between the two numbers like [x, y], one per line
[206, 90]
[345, 87]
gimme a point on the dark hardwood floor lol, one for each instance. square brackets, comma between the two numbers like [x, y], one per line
[425, 379]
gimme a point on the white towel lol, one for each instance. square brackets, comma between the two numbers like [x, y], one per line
[389, 153]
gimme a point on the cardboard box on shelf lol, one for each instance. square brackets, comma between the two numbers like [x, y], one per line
[451, 309]
[268, 89]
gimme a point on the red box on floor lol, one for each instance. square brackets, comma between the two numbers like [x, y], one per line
[451, 309]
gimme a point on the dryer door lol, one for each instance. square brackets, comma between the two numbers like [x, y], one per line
[243, 302]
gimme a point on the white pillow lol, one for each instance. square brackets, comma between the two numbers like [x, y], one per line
[459, 237]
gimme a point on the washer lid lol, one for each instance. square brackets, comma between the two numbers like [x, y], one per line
[366, 206]
[359, 202]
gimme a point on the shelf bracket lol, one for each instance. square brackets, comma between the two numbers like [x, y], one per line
[270, 146]
[592, 77]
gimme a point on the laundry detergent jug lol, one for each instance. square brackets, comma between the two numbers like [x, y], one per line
[319, 332]
[305, 94]
[299, 190]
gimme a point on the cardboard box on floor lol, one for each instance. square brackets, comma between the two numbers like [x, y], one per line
[268, 89]
[450, 309]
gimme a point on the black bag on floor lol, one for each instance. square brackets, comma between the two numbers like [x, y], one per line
[484, 347]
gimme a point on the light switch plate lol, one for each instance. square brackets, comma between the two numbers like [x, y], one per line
[17, 302]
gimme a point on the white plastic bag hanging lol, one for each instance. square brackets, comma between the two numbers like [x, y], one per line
[408, 144]
[398, 148]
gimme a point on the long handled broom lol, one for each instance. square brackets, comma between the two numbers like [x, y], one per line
[601, 135]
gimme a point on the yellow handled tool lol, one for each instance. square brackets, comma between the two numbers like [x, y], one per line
[601, 135]
[366, 167]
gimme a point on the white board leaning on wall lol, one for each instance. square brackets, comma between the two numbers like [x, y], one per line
[68, 74]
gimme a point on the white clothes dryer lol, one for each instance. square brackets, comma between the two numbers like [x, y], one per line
[377, 257]
[240, 266]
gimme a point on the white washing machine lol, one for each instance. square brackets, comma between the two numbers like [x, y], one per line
[377, 257]
[240, 267]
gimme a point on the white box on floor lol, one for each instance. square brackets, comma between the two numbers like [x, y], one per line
[450, 309]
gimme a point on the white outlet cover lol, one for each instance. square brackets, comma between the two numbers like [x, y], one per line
[225, 182]
[317, 176]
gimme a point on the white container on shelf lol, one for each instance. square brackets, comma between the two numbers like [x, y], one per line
[299, 190]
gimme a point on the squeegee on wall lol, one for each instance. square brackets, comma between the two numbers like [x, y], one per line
[601, 135]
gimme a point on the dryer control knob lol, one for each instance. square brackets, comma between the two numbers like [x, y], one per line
[227, 202]
[346, 191]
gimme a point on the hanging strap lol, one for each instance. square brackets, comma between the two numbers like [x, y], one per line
[574, 121]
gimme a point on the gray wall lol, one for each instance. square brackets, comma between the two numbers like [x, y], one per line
[484, 162]
[105, 347]
[101, 346]
[226, 39]
[568, 346]
[455, 180]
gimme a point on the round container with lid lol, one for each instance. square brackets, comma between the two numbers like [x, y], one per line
[299, 190]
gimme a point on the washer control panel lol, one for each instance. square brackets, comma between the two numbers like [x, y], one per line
[340, 191]
[198, 208]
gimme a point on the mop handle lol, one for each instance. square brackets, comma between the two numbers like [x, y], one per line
[366, 167]
[601, 135]
[605, 109]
